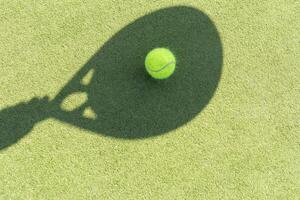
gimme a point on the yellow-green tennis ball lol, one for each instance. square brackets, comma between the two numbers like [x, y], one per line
[160, 63]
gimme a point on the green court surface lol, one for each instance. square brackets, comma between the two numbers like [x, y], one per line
[81, 119]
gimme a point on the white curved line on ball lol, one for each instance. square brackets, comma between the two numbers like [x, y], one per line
[164, 67]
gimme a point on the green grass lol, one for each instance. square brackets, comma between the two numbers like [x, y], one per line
[225, 126]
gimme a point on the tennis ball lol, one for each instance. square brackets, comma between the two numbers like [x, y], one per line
[160, 63]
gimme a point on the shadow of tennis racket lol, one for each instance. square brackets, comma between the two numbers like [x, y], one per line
[124, 100]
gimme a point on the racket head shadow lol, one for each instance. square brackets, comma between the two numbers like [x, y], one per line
[127, 102]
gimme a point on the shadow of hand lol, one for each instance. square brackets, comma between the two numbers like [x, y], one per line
[18, 120]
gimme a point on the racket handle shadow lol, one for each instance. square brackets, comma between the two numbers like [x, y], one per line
[18, 120]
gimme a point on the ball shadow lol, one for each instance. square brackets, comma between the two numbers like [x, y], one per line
[128, 103]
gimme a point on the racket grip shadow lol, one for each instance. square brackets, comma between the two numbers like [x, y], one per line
[18, 120]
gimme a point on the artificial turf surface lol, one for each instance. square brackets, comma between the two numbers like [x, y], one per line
[236, 136]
